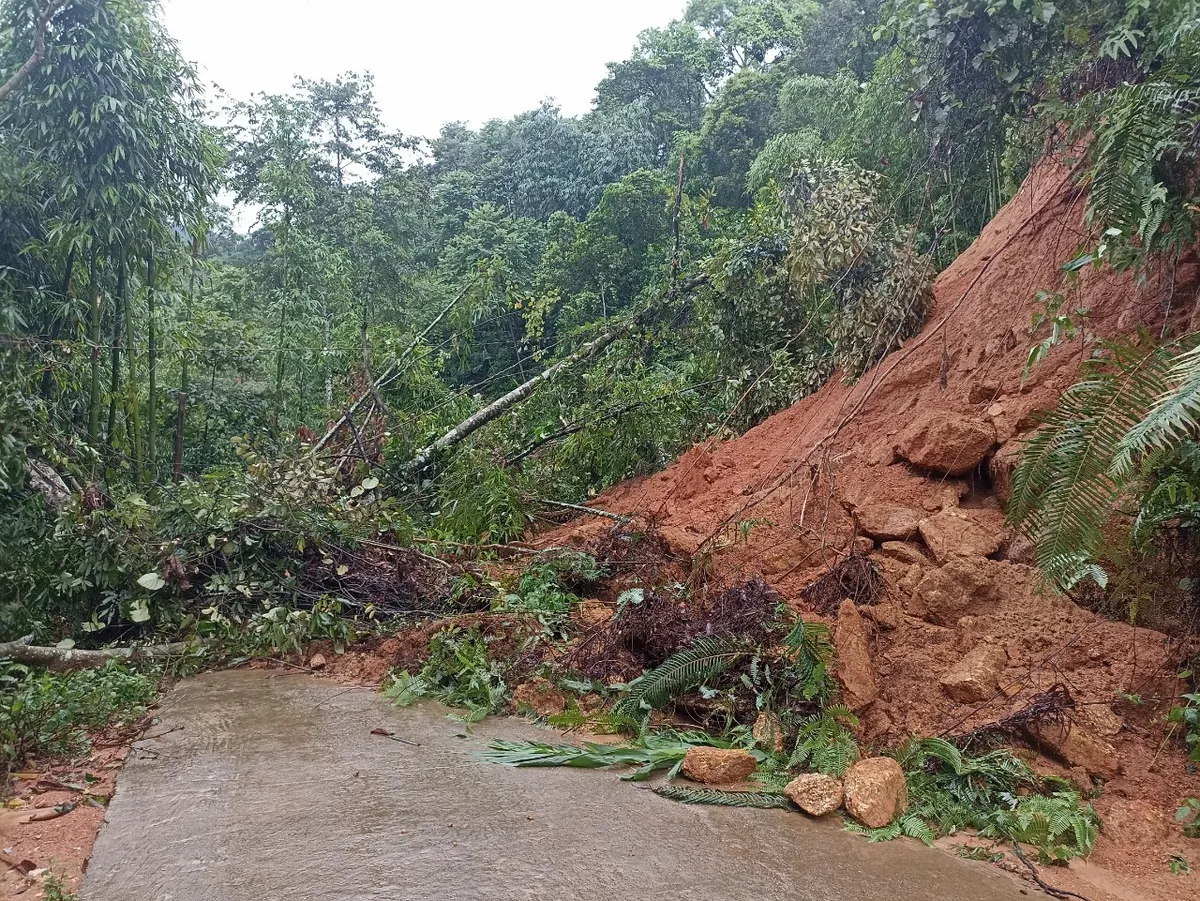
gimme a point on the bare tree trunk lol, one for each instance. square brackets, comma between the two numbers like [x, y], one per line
[184, 386]
[94, 335]
[114, 381]
[39, 50]
[151, 374]
[133, 409]
[21, 651]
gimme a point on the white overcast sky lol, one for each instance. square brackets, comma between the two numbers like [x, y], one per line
[434, 62]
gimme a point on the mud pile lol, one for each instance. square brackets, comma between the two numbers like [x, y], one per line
[910, 466]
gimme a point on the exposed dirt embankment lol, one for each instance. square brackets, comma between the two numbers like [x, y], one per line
[911, 466]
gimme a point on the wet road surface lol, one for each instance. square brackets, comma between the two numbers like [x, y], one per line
[271, 786]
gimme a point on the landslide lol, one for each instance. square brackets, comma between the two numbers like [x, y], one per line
[910, 466]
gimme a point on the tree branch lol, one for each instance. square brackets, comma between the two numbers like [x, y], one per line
[39, 50]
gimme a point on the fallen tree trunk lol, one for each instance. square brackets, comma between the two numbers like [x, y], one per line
[391, 370]
[496, 408]
[60, 659]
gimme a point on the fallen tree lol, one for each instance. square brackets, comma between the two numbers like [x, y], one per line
[60, 659]
[496, 408]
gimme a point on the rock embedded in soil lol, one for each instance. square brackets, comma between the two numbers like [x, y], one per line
[1000, 469]
[815, 793]
[964, 586]
[540, 696]
[976, 677]
[767, 732]
[875, 791]
[946, 442]
[903, 552]
[1135, 822]
[718, 766]
[1077, 747]
[963, 533]
[853, 658]
[887, 522]
[316, 661]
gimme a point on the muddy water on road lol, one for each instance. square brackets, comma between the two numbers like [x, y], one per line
[273, 787]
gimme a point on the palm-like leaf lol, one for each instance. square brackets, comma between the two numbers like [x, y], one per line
[682, 671]
[720, 798]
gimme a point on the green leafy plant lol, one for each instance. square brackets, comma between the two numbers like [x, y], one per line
[994, 793]
[1178, 865]
[825, 741]
[1188, 716]
[459, 672]
[44, 713]
[1188, 817]
[55, 888]
[1074, 468]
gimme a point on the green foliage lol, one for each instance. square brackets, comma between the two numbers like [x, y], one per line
[994, 793]
[541, 591]
[1067, 481]
[811, 648]
[1188, 817]
[1054, 824]
[650, 754]
[1188, 716]
[713, 796]
[681, 672]
[54, 888]
[825, 742]
[460, 672]
[49, 714]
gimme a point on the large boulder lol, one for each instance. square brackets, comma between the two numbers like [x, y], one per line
[875, 791]
[1077, 747]
[815, 793]
[887, 522]
[718, 766]
[963, 533]
[976, 677]
[852, 652]
[946, 442]
[964, 586]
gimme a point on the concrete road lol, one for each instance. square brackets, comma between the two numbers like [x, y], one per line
[271, 786]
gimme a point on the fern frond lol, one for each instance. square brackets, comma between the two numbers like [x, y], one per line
[722, 798]
[824, 741]
[682, 671]
[1174, 417]
[1064, 487]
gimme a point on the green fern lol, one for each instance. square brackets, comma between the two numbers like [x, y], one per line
[825, 743]
[1065, 485]
[1058, 825]
[681, 672]
[719, 798]
[811, 647]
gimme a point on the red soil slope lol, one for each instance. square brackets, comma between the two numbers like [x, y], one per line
[803, 478]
